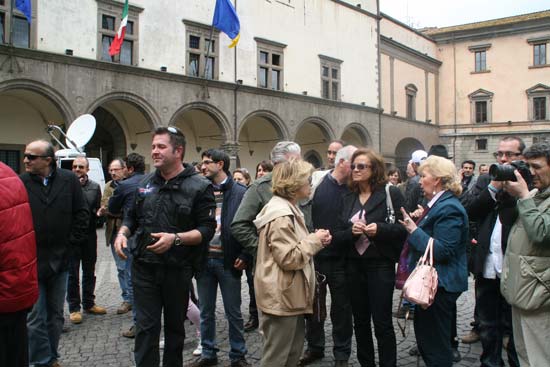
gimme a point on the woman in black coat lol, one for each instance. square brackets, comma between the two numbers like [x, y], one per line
[373, 242]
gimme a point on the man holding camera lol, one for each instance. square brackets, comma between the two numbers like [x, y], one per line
[525, 272]
[494, 211]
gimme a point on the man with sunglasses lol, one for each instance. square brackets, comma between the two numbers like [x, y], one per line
[495, 211]
[60, 218]
[171, 221]
[87, 254]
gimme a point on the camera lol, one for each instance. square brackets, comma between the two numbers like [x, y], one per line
[505, 172]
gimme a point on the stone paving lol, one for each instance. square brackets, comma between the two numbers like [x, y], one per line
[98, 341]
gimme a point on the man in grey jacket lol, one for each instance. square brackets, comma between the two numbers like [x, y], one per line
[525, 281]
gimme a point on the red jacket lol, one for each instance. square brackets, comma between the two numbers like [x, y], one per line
[18, 276]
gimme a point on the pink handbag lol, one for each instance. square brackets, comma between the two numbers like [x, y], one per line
[421, 286]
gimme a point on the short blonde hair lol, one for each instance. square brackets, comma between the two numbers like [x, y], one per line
[289, 177]
[445, 170]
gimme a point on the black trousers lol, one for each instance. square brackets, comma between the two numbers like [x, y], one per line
[495, 321]
[371, 286]
[340, 311]
[252, 308]
[14, 349]
[159, 288]
[433, 329]
[87, 255]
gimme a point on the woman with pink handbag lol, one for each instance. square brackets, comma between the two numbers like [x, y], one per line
[444, 228]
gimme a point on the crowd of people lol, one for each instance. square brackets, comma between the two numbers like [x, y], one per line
[297, 233]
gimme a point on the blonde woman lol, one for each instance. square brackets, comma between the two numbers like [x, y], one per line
[285, 276]
[445, 220]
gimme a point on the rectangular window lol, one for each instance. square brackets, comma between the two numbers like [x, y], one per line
[270, 60]
[410, 106]
[539, 54]
[330, 78]
[105, 44]
[481, 111]
[12, 158]
[130, 27]
[2, 27]
[481, 64]
[108, 22]
[194, 64]
[21, 30]
[539, 108]
[481, 144]
[202, 50]
[126, 52]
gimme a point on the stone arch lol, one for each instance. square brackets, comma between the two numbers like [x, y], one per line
[356, 131]
[217, 115]
[140, 103]
[272, 117]
[321, 123]
[313, 157]
[44, 90]
[403, 151]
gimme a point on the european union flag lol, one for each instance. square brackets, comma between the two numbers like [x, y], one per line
[227, 21]
[25, 7]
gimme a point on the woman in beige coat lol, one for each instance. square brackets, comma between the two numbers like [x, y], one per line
[285, 276]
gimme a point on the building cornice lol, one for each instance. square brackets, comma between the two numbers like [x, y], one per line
[356, 8]
[43, 56]
[404, 53]
[493, 31]
[193, 23]
[132, 8]
[269, 42]
[330, 59]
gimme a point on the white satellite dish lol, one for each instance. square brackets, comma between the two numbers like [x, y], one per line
[80, 132]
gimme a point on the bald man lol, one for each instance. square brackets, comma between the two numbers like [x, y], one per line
[60, 219]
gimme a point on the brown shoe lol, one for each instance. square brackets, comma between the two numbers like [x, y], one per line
[55, 364]
[75, 317]
[251, 324]
[470, 338]
[131, 333]
[96, 310]
[125, 307]
[309, 357]
[204, 362]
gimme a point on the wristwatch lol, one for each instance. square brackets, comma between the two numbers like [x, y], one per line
[177, 240]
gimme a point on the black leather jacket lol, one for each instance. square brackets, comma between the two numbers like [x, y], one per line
[183, 203]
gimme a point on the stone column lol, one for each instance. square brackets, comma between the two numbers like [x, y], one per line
[232, 149]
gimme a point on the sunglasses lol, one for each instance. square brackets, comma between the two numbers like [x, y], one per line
[32, 157]
[81, 166]
[360, 166]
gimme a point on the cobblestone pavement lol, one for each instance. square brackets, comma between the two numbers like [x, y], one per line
[98, 342]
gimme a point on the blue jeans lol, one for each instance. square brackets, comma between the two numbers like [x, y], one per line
[45, 321]
[124, 272]
[230, 286]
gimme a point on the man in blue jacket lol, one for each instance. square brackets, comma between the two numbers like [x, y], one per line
[224, 265]
[119, 204]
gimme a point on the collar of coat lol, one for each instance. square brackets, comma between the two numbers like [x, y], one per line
[275, 208]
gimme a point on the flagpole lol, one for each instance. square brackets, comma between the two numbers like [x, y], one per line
[208, 51]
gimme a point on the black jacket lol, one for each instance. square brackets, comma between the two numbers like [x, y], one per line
[233, 193]
[123, 196]
[92, 197]
[387, 244]
[184, 203]
[60, 218]
[481, 208]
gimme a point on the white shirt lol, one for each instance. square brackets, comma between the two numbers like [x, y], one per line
[493, 262]
[435, 198]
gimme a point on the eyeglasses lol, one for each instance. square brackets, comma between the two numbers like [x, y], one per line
[81, 166]
[507, 154]
[32, 157]
[207, 162]
[360, 166]
[310, 180]
[333, 152]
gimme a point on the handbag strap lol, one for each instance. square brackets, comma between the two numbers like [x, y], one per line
[389, 205]
[429, 252]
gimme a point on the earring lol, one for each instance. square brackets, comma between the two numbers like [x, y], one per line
[433, 193]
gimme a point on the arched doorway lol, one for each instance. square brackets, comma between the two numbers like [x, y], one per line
[314, 135]
[259, 133]
[109, 141]
[27, 109]
[403, 152]
[203, 129]
[356, 134]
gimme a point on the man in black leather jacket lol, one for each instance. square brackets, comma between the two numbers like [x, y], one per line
[172, 219]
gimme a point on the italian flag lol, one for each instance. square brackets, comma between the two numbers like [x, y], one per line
[119, 38]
